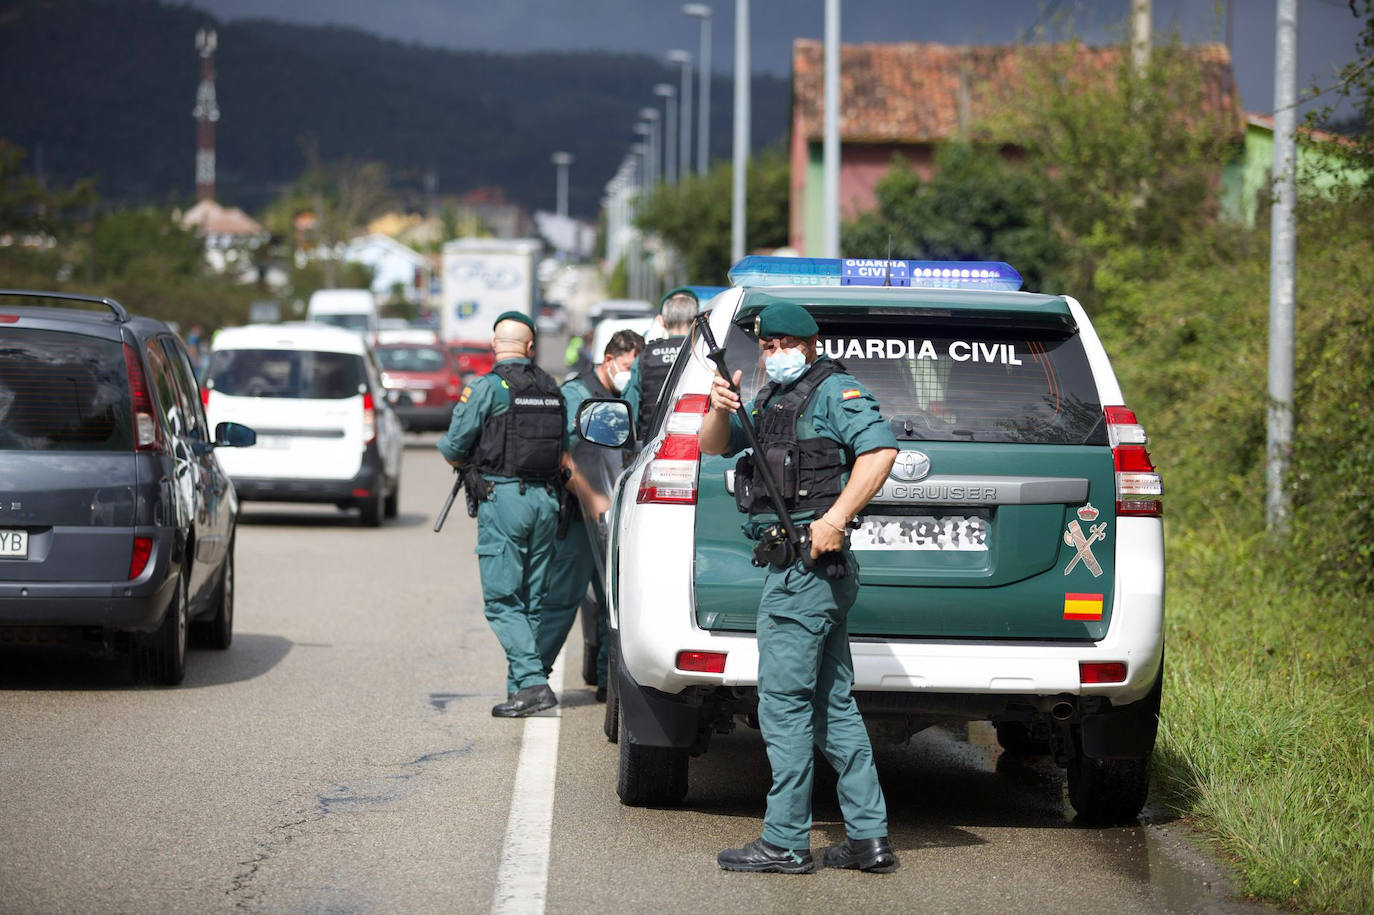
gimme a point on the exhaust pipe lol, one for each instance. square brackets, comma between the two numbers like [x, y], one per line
[1062, 711]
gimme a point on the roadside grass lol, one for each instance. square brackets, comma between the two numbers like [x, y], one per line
[1267, 729]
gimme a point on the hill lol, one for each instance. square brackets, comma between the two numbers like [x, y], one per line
[105, 88]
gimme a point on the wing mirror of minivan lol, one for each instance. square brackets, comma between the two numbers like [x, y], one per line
[234, 435]
[604, 422]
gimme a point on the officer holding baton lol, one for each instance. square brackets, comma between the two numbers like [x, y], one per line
[830, 449]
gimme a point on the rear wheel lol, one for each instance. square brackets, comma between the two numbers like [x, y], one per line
[392, 506]
[160, 656]
[373, 509]
[218, 631]
[650, 776]
[1108, 791]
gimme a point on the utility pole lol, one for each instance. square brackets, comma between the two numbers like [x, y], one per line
[668, 93]
[562, 160]
[831, 146]
[741, 158]
[684, 125]
[1282, 262]
[206, 114]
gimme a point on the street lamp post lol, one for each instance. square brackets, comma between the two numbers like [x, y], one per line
[703, 12]
[741, 144]
[651, 116]
[562, 160]
[684, 126]
[669, 95]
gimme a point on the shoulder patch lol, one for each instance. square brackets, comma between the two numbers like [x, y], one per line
[463, 397]
[851, 393]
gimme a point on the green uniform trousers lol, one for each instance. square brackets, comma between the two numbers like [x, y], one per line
[572, 568]
[806, 675]
[515, 535]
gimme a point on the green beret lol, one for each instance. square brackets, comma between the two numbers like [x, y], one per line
[785, 319]
[516, 316]
[681, 290]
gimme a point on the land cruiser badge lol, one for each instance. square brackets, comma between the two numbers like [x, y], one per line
[1075, 537]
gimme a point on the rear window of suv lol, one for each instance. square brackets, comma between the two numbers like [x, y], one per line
[411, 358]
[959, 379]
[301, 374]
[63, 392]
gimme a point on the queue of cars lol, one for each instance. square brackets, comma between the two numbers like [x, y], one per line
[1011, 566]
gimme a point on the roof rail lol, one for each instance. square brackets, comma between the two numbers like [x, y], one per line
[120, 314]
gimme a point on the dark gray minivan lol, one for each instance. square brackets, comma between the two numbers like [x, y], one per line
[116, 521]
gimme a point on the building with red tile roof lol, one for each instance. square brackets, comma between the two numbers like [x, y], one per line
[907, 97]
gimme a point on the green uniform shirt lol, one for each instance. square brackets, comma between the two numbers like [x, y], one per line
[486, 396]
[841, 409]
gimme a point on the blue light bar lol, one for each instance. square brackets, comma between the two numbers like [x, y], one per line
[759, 270]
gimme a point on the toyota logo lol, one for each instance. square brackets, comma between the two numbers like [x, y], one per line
[910, 466]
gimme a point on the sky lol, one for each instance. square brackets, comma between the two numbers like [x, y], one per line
[1326, 28]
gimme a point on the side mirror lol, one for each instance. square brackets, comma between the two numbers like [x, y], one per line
[604, 422]
[234, 435]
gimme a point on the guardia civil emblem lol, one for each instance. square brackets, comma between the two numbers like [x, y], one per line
[1075, 537]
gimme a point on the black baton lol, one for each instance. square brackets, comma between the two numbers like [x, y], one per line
[448, 503]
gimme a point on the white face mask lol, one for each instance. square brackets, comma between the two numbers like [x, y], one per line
[620, 381]
[785, 365]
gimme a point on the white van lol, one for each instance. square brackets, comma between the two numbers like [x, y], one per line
[351, 309]
[327, 431]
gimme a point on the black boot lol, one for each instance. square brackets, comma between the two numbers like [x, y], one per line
[765, 857]
[526, 701]
[872, 855]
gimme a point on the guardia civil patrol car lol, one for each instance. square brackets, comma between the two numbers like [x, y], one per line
[1012, 566]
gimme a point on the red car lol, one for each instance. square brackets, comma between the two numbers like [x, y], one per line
[423, 381]
[473, 357]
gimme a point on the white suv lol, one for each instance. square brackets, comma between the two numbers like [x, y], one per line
[327, 432]
[1012, 568]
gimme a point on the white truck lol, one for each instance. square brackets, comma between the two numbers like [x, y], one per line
[484, 277]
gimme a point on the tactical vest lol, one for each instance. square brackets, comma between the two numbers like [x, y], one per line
[655, 363]
[809, 471]
[592, 381]
[527, 440]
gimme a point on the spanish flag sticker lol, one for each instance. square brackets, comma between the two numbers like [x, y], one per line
[1082, 606]
[463, 398]
[851, 393]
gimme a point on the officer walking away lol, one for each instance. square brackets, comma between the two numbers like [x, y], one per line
[814, 412]
[506, 438]
[573, 564]
[651, 369]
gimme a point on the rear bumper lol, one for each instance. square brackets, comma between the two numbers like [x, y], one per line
[284, 489]
[424, 418]
[136, 606]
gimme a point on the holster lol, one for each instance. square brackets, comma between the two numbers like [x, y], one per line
[476, 489]
[776, 550]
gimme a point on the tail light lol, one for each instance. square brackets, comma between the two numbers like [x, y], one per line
[1101, 672]
[138, 561]
[671, 476]
[369, 419]
[702, 662]
[1139, 487]
[147, 435]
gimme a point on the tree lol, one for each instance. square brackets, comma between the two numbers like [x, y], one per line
[27, 206]
[694, 215]
[977, 206]
[1356, 84]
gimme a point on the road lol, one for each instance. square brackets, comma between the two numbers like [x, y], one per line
[341, 757]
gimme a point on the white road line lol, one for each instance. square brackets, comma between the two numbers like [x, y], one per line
[522, 880]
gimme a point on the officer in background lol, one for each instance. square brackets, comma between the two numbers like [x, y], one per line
[506, 438]
[573, 564]
[819, 416]
[651, 369]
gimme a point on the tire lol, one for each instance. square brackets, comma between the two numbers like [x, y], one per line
[1015, 737]
[650, 776]
[218, 631]
[392, 505]
[1108, 792]
[373, 509]
[160, 656]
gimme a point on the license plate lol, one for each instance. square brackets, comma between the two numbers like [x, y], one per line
[14, 544]
[951, 533]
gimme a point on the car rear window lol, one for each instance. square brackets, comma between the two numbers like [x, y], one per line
[63, 392]
[959, 380]
[411, 358]
[355, 322]
[301, 374]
